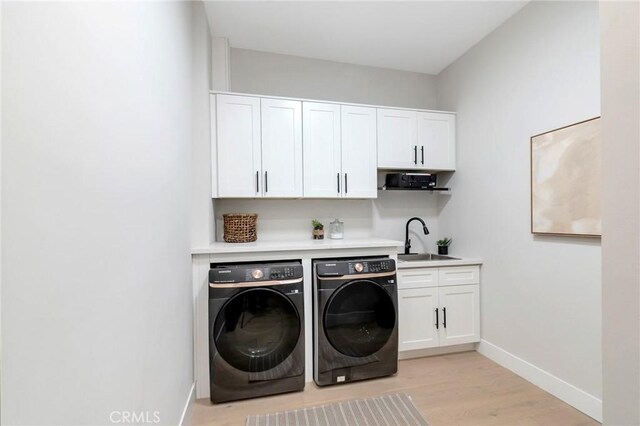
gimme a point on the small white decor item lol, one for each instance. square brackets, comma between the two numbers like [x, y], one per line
[336, 230]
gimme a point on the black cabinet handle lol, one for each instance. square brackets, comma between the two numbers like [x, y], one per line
[415, 154]
[257, 181]
[422, 153]
[346, 183]
[437, 324]
[338, 179]
[444, 313]
[266, 182]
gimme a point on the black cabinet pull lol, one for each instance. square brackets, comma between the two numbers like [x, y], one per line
[266, 182]
[437, 324]
[415, 154]
[346, 183]
[444, 313]
[422, 153]
[257, 181]
[338, 179]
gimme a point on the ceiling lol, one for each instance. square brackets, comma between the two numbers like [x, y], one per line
[422, 36]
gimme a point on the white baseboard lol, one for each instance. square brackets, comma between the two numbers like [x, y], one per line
[420, 353]
[577, 398]
[190, 399]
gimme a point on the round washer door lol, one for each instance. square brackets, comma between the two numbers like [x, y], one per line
[359, 318]
[257, 329]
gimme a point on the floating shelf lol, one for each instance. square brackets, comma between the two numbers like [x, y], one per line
[384, 188]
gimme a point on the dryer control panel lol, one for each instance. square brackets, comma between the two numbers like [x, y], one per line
[355, 267]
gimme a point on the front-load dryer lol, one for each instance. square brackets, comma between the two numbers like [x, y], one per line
[355, 320]
[256, 330]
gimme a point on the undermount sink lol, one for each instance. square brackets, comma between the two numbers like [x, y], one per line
[421, 257]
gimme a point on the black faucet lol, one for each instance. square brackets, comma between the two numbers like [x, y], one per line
[407, 241]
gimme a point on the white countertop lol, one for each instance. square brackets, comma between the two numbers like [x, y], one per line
[460, 261]
[296, 245]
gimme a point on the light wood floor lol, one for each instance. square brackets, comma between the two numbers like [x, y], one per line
[455, 389]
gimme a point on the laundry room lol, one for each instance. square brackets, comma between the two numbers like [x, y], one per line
[320, 213]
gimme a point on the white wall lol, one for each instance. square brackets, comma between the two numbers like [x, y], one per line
[284, 75]
[0, 209]
[220, 53]
[96, 307]
[620, 40]
[540, 295]
[202, 223]
[384, 217]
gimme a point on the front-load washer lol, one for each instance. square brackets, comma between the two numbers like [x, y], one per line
[355, 320]
[256, 330]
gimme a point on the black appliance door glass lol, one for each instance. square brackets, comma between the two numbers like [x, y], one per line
[359, 318]
[257, 329]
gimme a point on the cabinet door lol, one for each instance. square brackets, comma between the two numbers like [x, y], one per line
[238, 146]
[321, 150]
[417, 318]
[460, 314]
[436, 141]
[397, 139]
[281, 148]
[359, 152]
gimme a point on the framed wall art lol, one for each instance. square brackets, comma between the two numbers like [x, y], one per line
[566, 180]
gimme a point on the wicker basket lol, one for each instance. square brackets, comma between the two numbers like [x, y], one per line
[240, 227]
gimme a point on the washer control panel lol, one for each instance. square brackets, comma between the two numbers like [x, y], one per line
[355, 267]
[231, 274]
[371, 266]
[284, 272]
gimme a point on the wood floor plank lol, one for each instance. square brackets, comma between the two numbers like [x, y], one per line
[455, 389]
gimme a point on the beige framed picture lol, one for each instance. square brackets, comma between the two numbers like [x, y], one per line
[566, 180]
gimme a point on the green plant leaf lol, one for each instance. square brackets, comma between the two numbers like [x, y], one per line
[445, 242]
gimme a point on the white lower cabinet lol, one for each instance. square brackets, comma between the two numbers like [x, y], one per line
[417, 306]
[459, 314]
[431, 314]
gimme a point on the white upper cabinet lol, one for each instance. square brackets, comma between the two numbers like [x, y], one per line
[285, 148]
[322, 150]
[238, 146]
[359, 152]
[339, 151]
[436, 140]
[258, 147]
[281, 148]
[416, 140]
[397, 139]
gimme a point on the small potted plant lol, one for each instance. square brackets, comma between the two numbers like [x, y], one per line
[318, 230]
[443, 246]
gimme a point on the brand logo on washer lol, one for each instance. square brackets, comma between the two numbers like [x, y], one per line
[340, 379]
[225, 271]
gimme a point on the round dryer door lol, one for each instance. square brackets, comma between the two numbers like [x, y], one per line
[257, 329]
[359, 318]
